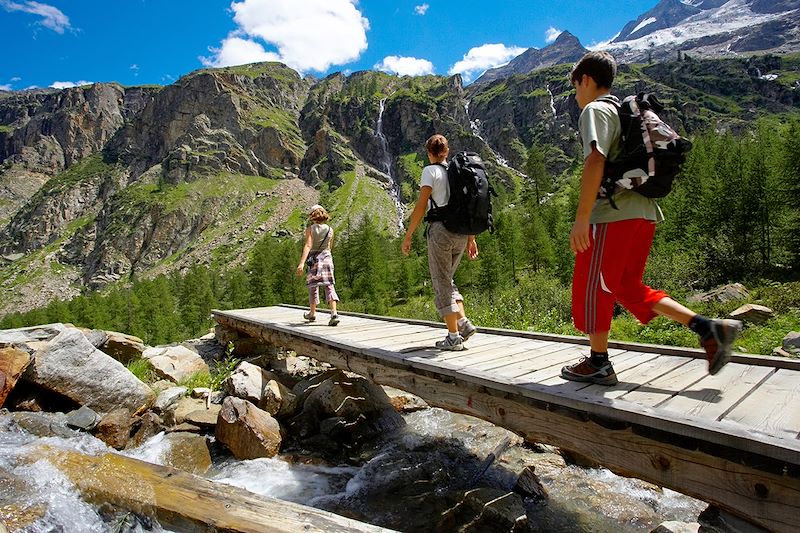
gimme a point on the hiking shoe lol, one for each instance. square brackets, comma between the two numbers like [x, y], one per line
[586, 371]
[467, 330]
[334, 320]
[455, 345]
[717, 343]
[309, 317]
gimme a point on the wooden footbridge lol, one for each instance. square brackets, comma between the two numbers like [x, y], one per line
[730, 439]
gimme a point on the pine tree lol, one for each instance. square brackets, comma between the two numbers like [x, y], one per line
[537, 172]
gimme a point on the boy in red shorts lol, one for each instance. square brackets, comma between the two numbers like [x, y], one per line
[611, 245]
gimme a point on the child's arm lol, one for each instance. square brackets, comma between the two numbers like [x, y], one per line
[416, 217]
[590, 183]
[472, 247]
[306, 250]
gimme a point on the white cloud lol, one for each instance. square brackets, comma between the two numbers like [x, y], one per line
[551, 34]
[6, 87]
[15, 78]
[238, 51]
[421, 9]
[481, 58]
[135, 69]
[68, 84]
[307, 34]
[405, 66]
[52, 17]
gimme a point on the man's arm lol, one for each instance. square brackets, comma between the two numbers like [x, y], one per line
[590, 183]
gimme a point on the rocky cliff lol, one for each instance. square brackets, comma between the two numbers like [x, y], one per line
[99, 183]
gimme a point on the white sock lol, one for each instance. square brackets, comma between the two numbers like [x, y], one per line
[453, 336]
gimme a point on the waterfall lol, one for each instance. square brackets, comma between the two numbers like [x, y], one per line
[387, 166]
[475, 126]
[552, 100]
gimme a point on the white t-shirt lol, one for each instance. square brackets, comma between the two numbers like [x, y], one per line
[435, 177]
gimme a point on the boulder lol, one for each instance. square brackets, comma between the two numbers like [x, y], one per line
[13, 363]
[122, 347]
[175, 363]
[115, 428]
[753, 313]
[791, 343]
[246, 430]
[206, 417]
[529, 486]
[31, 334]
[83, 418]
[260, 387]
[168, 398]
[176, 413]
[726, 293]
[188, 452]
[404, 402]
[293, 369]
[71, 366]
[144, 427]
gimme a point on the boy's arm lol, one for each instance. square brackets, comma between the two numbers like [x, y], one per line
[590, 183]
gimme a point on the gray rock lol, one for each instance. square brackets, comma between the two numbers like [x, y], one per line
[726, 293]
[175, 363]
[31, 334]
[83, 418]
[791, 343]
[753, 313]
[247, 431]
[168, 398]
[71, 366]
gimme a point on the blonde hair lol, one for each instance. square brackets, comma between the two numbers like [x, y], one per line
[318, 214]
[437, 145]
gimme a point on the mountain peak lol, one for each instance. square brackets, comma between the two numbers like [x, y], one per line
[565, 49]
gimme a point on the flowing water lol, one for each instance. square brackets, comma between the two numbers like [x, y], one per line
[387, 165]
[426, 467]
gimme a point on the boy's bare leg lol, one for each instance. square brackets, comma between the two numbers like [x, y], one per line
[672, 309]
[598, 342]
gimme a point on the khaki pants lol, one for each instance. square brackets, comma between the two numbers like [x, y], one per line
[444, 253]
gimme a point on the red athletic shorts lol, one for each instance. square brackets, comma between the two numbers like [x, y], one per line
[611, 270]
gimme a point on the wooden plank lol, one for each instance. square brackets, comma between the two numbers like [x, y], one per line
[687, 465]
[715, 395]
[546, 359]
[623, 363]
[751, 359]
[725, 434]
[186, 502]
[670, 382]
[772, 407]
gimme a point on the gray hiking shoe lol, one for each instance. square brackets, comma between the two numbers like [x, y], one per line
[308, 316]
[334, 320]
[585, 371]
[455, 345]
[467, 330]
[717, 343]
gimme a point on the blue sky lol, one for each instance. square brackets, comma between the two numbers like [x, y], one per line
[53, 43]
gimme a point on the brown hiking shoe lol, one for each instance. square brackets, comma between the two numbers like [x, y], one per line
[586, 371]
[717, 343]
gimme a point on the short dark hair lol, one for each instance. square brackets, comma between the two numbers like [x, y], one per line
[599, 65]
[437, 145]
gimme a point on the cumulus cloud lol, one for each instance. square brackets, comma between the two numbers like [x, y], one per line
[6, 87]
[481, 58]
[405, 66]
[306, 34]
[52, 17]
[551, 34]
[421, 9]
[68, 84]
[16, 78]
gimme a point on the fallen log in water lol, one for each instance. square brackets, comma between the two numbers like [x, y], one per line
[189, 503]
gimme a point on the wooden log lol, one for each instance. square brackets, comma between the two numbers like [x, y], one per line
[738, 481]
[189, 503]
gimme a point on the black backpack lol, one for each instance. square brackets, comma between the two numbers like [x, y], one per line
[652, 153]
[469, 210]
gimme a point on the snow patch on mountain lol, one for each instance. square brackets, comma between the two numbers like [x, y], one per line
[642, 24]
[733, 15]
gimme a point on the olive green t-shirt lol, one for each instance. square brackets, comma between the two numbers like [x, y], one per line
[599, 124]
